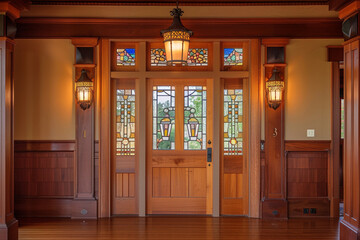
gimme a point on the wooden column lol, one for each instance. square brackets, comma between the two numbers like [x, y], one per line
[274, 203]
[8, 223]
[84, 204]
[350, 225]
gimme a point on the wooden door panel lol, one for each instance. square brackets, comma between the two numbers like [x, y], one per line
[230, 186]
[179, 206]
[179, 182]
[177, 169]
[123, 156]
[197, 182]
[234, 189]
[161, 182]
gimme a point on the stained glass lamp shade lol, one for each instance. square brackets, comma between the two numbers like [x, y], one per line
[176, 40]
[84, 90]
[274, 89]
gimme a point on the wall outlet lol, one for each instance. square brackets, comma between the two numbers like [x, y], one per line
[310, 133]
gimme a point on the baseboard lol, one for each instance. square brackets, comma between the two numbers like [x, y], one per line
[9, 231]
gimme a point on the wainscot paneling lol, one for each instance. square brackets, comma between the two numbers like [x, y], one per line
[307, 178]
[44, 178]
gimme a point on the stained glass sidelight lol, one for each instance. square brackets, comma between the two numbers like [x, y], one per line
[233, 56]
[194, 118]
[164, 117]
[196, 57]
[125, 56]
[233, 127]
[125, 122]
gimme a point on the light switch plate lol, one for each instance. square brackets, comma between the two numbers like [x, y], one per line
[310, 133]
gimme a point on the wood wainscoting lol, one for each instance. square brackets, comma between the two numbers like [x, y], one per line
[44, 178]
[307, 178]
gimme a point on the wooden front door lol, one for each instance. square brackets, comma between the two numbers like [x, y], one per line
[179, 133]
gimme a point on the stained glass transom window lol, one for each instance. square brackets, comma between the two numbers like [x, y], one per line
[125, 56]
[233, 56]
[164, 117]
[125, 122]
[194, 118]
[233, 122]
[196, 57]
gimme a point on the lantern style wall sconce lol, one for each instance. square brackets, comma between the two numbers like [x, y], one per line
[176, 39]
[84, 92]
[274, 89]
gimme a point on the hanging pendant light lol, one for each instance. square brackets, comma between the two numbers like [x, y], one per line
[176, 39]
[274, 89]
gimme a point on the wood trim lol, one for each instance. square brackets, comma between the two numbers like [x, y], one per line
[335, 53]
[204, 28]
[43, 207]
[334, 165]
[85, 42]
[307, 146]
[183, 3]
[338, 4]
[275, 42]
[104, 165]
[44, 145]
[254, 131]
[349, 9]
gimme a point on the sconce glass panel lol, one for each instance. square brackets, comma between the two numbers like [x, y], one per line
[194, 118]
[125, 122]
[163, 117]
[233, 122]
[233, 56]
[125, 56]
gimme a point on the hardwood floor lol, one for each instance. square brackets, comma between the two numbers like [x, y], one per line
[178, 228]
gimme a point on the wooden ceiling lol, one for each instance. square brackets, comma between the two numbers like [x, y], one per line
[181, 2]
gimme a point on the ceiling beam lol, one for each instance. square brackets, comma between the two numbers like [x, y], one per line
[202, 28]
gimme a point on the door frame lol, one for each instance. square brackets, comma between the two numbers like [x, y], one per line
[102, 103]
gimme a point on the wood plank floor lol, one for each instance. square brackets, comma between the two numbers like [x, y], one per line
[178, 228]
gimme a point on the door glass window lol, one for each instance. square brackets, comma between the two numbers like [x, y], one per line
[163, 117]
[194, 118]
[233, 122]
[125, 122]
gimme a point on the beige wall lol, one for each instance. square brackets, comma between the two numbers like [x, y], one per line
[308, 89]
[44, 99]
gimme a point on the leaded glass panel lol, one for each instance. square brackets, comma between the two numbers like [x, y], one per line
[196, 57]
[194, 118]
[125, 122]
[163, 117]
[233, 56]
[233, 122]
[125, 56]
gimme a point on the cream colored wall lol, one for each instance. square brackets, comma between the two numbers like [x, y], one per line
[44, 99]
[308, 89]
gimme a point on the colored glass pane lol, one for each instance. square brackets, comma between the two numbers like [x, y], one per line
[233, 56]
[194, 118]
[158, 57]
[164, 117]
[196, 57]
[125, 122]
[125, 56]
[233, 122]
[342, 118]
